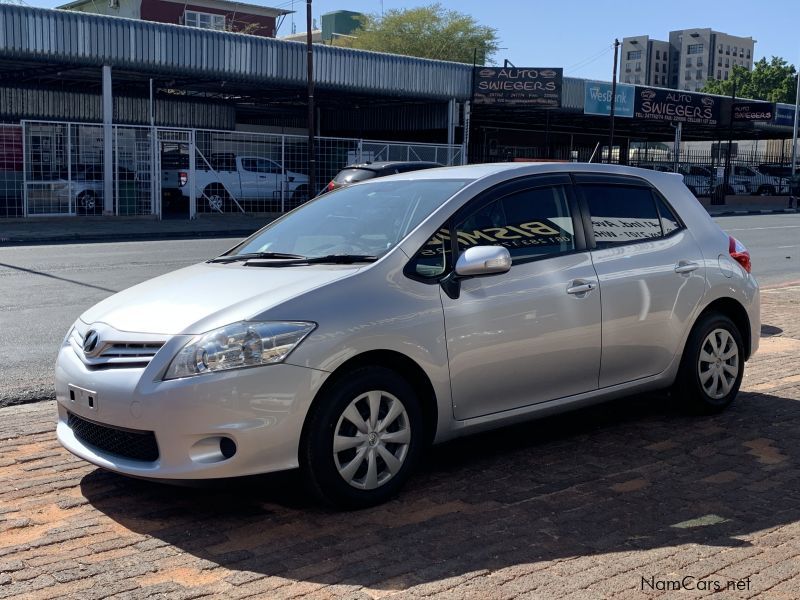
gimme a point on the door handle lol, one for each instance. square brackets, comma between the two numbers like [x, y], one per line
[580, 287]
[686, 266]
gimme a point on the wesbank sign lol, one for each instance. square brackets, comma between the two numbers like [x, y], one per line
[597, 99]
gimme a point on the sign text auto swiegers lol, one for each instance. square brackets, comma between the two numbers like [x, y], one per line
[518, 86]
[676, 106]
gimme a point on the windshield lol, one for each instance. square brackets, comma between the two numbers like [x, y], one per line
[368, 219]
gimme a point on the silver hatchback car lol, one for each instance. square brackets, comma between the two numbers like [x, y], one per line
[377, 319]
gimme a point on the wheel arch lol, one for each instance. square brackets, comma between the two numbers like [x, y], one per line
[401, 364]
[734, 310]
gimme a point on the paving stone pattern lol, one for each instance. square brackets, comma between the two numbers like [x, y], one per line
[622, 500]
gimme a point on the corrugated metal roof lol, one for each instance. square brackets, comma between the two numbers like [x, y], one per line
[28, 33]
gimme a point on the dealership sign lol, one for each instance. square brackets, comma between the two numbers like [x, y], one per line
[784, 115]
[753, 111]
[597, 99]
[518, 87]
[676, 107]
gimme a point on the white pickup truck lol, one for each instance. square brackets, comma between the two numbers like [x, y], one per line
[228, 182]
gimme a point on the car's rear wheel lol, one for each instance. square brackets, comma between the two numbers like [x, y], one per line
[362, 439]
[87, 203]
[712, 365]
[218, 198]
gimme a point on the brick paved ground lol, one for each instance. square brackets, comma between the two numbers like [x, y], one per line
[580, 506]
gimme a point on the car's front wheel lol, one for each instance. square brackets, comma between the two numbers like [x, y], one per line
[362, 439]
[712, 365]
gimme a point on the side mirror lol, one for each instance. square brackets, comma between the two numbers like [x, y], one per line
[483, 260]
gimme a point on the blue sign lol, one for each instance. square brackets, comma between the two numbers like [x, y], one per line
[597, 99]
[784, 116]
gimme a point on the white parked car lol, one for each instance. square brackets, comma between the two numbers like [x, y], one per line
[760, 183]
[374, 320]
[226, 180]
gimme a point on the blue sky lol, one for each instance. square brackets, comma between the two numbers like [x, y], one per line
[578, 34]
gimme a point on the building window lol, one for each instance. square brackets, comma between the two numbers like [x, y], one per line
[658, 54]
[727, 49]
[727, 63]
[748, 53]
[719, 74]
[735, 50]
[694, 49]
[699, 74]
[657, 68]
[634, 54]
[688, 62]
[719, 48]
[726, 76]
[688, 76]
[638, 66]
[203, 20]
[637, 79]
[699, 61]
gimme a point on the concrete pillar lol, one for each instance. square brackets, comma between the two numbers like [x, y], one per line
[108, 140]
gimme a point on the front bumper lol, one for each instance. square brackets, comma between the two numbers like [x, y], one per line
[261, 410]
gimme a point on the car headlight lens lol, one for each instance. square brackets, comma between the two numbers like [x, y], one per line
[236, 346]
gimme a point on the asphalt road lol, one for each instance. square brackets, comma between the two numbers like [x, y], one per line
[43, 289]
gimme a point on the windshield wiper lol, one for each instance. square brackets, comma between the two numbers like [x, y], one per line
[336, 259]
[255, 255]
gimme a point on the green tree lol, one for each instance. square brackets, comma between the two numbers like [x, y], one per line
[772, 80]
[427, 32]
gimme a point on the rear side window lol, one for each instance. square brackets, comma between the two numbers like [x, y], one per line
[353, 175]
[621, 214]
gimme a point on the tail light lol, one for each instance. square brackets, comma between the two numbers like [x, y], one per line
[739, 253]
[330, 186]
[183, 177]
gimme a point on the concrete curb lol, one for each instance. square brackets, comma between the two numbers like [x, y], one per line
[79, 238]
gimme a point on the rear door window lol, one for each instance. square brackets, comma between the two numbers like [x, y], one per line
[621, 214]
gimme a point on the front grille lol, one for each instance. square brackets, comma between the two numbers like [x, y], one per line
[126, 443]
[117, 354]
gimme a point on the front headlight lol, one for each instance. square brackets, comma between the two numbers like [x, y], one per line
[243, 344]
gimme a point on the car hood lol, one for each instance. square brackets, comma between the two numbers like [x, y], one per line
[206, 296]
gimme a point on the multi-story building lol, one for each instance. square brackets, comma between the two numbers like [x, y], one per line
[687, 61]
[223, 15]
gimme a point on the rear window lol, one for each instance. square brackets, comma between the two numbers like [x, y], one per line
[353, 175]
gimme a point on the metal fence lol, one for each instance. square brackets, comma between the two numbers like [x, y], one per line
[749, 172]
[56, 168]
[712, 173]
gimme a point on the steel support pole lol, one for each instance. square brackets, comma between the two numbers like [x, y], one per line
[613, 102]
[794, 129]
[451, 129]
[312, 151]
[108, 148]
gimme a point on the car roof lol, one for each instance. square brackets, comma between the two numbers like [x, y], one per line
[481, 171]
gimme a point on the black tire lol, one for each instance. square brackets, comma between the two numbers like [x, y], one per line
[217, 198]
[689, 385]
[87, 203]
[766, 190]
[318, 459]
[300, 195]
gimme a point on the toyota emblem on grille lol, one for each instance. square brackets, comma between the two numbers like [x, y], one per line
[90, 342]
